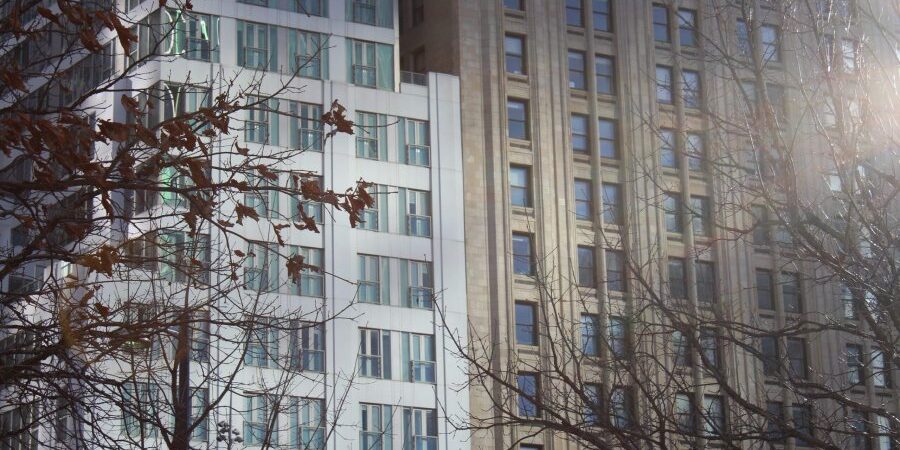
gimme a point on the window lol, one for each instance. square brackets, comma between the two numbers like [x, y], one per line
[760, 225]
[418, 353]
[771, 361]
[604, 74]
[584, 204]
[193, 36]
[594, 403]
[256, 419]
[771, 43]
[176, 247]
[848, 300]
[311, 282]
[684, 413]
[529, 384]
[664, 84]
[618, 338]
[261, 267]
[802, 417]
[706, 282]
[615, 271]
[363, 67]
[713, 415]
[523, 261]
[586, 267]
[418, 213]
[749, 104]
[414, 135]
[262, 344]
[856, 424]
[300, 207]
[576, 70]
[677, 279]
[621, 408]
[369, 283]
[141, 401]
[661, 24]
[379, 13]
[306, 126]
[517, 119]
[307, 422]
[307, 346]
[374, 353]
[672, 208]
[264, 197]
[691, 93]
[514, 47]
[518, 5]
[602, 15]
[687, 27]
[199, 330]
[695, 152]
[420, 428]
[374, 218]
[743, 39]
[776, 100]
[885, 430]
[849, 55]
[612, 204]
[681, 345]
[608, 147]
[764, 298]
[520, 186]
[371, 64]
[700, 216]
[774, 427]
[418, 12]
[796, 355]
[375, 426]
[311, 7]
[253, 45]
[790, 293]
[199, 405]
[579, 124]
[309, 54]
[574, 16]
[709, 347]
[855, 372]
[590, 335]
[881, 369]
[420, 290]
[668, 156]
[526, 319]
[371, 136]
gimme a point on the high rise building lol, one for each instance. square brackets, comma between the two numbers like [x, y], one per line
[376, 372]
[594, 133]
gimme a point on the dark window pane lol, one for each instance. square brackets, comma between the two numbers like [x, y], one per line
[612, 204]
[602, 15]
[526, 333]
[517, 119]
[661, 23]
[574, 16]
[520, 186]
[615, 271]
[687, 27]
[523, 260]
[584, 205]
[607, 129]
[604, 73]
[579, 128]
[586, 267]
[764, 298]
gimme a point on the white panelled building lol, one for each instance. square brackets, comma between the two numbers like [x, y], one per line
[382, 375]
